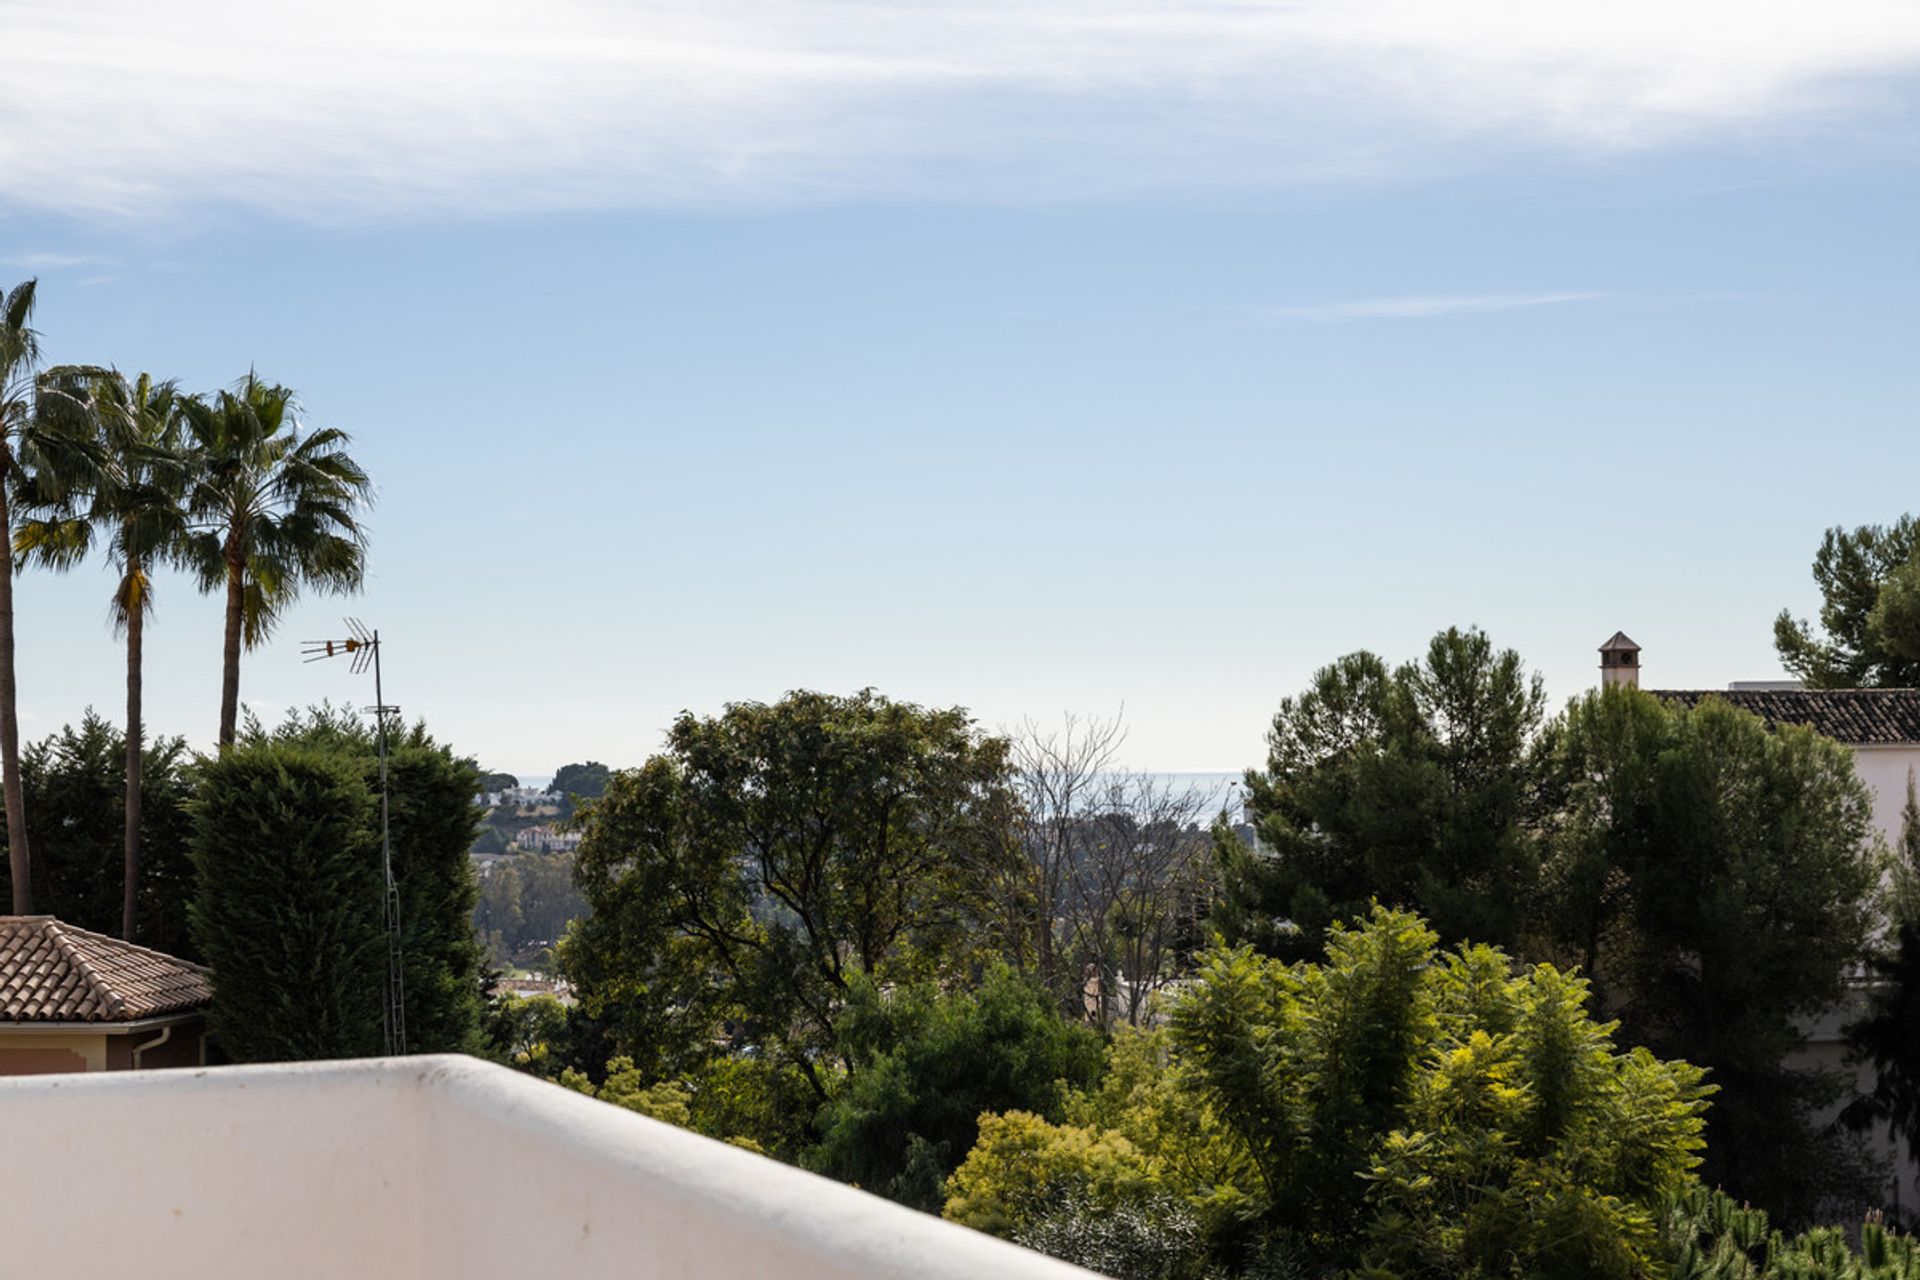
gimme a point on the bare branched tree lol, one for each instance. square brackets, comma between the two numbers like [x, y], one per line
[1116, 872]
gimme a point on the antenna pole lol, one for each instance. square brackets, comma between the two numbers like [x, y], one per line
[396, 1002]
[363, 646]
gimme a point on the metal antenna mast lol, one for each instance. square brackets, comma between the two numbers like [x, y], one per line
[364, 647]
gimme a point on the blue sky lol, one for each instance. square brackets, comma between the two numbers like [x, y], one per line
[1056, 357]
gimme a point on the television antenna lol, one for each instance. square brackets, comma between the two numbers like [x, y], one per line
[363, 647]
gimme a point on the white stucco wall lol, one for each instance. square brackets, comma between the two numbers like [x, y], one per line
[426, 1167]
[1884, 769]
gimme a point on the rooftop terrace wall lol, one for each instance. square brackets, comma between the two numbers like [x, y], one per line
[426, 1167]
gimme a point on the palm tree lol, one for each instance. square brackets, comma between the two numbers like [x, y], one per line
[19, 354]
[272, 511]
[38, 444]
[131, 495]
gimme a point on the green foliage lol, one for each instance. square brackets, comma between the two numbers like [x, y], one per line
[586, 781]
[274, 511]
[525, 904]
[625, 1086]
[1022, 1165]
[1393, 1109]
[1154, 1238]
[925, 1065]
[1869, 581]
[1715, 878]
[736, 1100]
[522, 1029]
[498, 782]
[741, 879]
[1404, 786]
[751, 1102]
[75, 786]
[432, 820]
[1436, 1114]
[287, 907]
[1707, 1236]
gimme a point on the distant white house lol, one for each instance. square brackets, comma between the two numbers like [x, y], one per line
[544, 839]
[519, 798]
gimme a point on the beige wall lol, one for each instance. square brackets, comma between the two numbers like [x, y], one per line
[428, 1167]
[47, 1052]
[25, 1053]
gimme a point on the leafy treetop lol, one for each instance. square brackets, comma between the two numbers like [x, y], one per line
[1869, 581]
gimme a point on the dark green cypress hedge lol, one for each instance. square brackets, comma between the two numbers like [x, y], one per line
[434, 820]
[287, 903]
[434, 823]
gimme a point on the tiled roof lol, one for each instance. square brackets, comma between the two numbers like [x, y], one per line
[53, 972]
[1861, 717]
[1620, 641]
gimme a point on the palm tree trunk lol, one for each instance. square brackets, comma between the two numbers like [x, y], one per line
[230, 668]
[19, 861]
[129, 908]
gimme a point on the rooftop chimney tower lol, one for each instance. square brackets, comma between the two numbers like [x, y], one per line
[1620, 662]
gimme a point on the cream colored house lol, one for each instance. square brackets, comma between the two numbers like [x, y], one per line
[75, 1000]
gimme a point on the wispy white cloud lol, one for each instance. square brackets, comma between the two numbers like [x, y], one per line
[347, 108]
[1425, 306]
[53, 261]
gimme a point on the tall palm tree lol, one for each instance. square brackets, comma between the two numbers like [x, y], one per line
[39, 443]
[19, 357]
[272, 511]
[129, 495]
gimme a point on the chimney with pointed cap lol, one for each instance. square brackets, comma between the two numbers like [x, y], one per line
[1620, 662]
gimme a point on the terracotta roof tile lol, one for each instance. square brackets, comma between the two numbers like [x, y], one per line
[1859, 717]
[53, 972]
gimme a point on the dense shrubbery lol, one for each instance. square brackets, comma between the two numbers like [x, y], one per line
[289, 899]
[1711, 875]
[74, 782]
[794, 905]
[432, 821]
[923, 1068]
[1395, 1109]
[288, 904]
[1707, 1236]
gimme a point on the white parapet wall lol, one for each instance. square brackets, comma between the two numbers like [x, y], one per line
[425, 1167]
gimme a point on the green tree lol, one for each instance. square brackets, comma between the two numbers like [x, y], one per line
[75, 784]
[129, 497]
[526, 904]
[1869, 581]
[274, 511]
[928, 1064]
[287, 905]
[37, 445]
[1394, 1110]
[746, 875]
[587, 781]
[521, 1029]
[1406, 786]
[432, 820]
[1715, 879]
